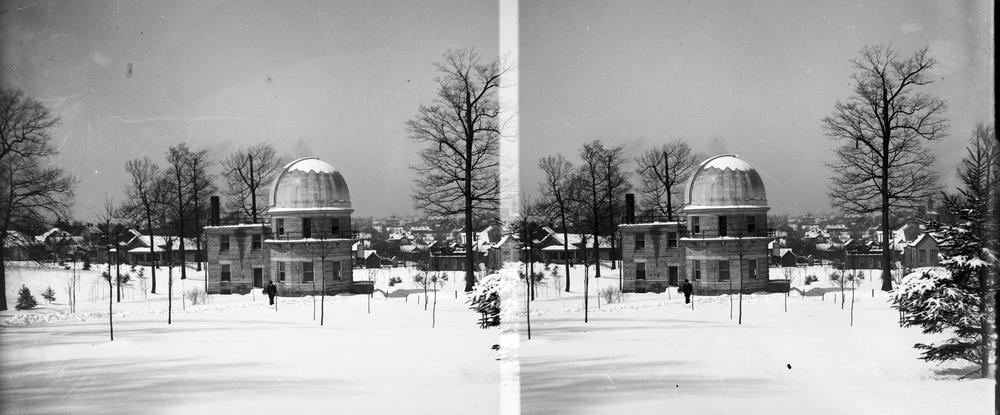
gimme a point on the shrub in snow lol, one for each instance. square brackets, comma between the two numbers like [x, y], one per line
[195, 296]
[25, 301]
[241, 289]
[485, 300]
[394, 280]
[657, 287]
[811, 279]
[49, 294]
[612, 295]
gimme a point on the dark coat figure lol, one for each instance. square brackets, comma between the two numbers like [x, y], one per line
[271, 290]
[687, 289]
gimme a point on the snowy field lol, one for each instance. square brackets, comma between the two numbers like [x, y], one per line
[650, 354]
[653, 354]
[238, 355]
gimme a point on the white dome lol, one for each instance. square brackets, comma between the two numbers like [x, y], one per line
[309, 183]
[725, 181]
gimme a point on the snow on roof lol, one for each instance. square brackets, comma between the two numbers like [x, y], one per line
[728, 161]
[311, 164]
[241, 225]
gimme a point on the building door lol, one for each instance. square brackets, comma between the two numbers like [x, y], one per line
[258, 277]
[673, 276]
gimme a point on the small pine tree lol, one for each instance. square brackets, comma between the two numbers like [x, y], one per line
[25, 301]
[485, 299]
[49, 295]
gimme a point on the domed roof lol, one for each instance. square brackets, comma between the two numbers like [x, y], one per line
[725, 181]
[309, 183]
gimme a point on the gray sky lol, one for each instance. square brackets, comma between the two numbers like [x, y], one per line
[752, 78]
[336, 80]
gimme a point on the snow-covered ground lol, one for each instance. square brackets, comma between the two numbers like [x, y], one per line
[653, 354]
[238, 355]
[649, 354]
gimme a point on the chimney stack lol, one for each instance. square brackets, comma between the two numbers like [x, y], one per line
[214, 207]
[629, 208]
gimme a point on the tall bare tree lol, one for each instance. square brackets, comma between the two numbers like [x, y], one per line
[31, 192]
[460, 129]
[202, 187]
[616, 184]
[881, 164]
[182, 193]
[143, 201]
[594, 204]
[248, 173]
[558, 174]
[663, 170]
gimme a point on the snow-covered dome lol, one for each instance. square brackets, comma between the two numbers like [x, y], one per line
[309, 183]
[725, 181]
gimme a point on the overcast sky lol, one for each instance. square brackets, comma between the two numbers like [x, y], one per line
[752, 78]
[336, 80]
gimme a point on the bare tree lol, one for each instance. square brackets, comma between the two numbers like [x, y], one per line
[143, 201]
[663, 170]
[616, 184]
[249, 173]
[881, 164]
[558, 174]
[181, 200]
[591, 178]
[202, 187]
[457, 171]
[31, 193]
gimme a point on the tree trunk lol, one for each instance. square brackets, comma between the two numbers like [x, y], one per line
[470, 254]
[253, 193]
[111, 323]
[666, 185]
[152, 245]
[3, 277]
[886, 252]
[562, 214]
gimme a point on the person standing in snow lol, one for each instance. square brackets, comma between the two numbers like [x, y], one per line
[271, 291]
[687, 289]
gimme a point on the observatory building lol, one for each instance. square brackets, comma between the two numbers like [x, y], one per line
[721, 243]
[304, 246]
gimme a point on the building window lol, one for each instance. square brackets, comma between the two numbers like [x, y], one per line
[226, 273]
[671, 239]
[223, 242]
[932, 256]
[640, 270]
[255, 242]
[281, 272]
[640, 241]
[307, 272]
[306, 228]
[336, 270]
[280, 224]
[723, 270]
[696, 267]
[753, 269]
[751, 225]
[921, 256]
[695, 225]
[335, 227]
[722, 225]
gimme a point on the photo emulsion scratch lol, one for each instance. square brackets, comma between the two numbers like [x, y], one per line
[498, 207]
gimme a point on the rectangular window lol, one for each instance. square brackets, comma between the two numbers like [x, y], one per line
[336, 270]
[932, 256]
[223, 242]
[921, 256]
[255, 242]
[307, 272]
[723, 270]
[751, 225]
[280, 224]
[671, 239]
[640, 241]
[281, 272]
[640, 270]
[753, 269]
[696, 266]
[695, 225]
[335, 227]
[306, 228]
[723, 221]
[226, 273]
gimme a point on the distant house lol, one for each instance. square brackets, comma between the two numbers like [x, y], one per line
[787, 258]
[21, 247]
[372, 260]
[552, 248]
[922, 252]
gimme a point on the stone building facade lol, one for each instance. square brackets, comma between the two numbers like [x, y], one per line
[721, 244]
[305, 246]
